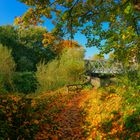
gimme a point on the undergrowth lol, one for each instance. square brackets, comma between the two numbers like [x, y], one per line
[113, 112]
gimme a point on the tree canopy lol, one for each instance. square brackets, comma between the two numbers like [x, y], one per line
[110, 25]
[78, 12]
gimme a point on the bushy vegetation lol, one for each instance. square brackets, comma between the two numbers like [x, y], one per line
[7, 67]
[113, 111]
[18, 119]
[131, 98]
[25, 82]
[65, 69]
[122, 122]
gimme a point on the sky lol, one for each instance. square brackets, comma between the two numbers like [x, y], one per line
[9, 9]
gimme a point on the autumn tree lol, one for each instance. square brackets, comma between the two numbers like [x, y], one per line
[57, 44]
[121, 19]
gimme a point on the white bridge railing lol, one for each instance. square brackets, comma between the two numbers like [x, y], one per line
[106, 67]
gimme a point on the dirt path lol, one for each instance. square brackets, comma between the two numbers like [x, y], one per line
[72, 119]
[68, 123]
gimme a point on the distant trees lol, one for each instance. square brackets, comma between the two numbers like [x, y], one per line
[26, 45]
[31, 37]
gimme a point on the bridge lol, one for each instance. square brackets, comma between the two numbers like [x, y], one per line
[105, 67]
[98, 71]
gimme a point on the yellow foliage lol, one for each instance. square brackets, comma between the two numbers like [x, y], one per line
[123, 37]
[99, 111]
[36, 122]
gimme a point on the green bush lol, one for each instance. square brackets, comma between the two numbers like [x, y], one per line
[72, 64]
[25, 82]
[7, 67]
[25, 64]
[130, 83]
[64, 70]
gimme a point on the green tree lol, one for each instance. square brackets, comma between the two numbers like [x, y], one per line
[91, 18]
[31, 37]
[26, 44]
[8, 36]
[90, 11]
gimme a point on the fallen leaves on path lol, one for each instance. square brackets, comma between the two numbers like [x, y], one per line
[88, 115]
[66, 123]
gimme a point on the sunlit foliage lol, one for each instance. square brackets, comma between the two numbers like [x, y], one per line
[7, 67]
[101, 21]
[63, 70]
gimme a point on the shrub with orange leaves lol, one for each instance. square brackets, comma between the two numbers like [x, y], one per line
[17, 118]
